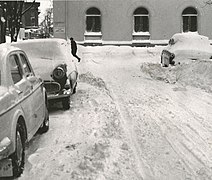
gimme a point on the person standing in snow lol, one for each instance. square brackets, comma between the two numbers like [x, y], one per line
[74, 48]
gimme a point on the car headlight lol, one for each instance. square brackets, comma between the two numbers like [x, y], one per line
[4, 144]
[58, 73]
[172, 56]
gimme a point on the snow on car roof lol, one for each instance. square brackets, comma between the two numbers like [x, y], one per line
[53, 49]
[46, 54]
[190, 41]
[191, 38]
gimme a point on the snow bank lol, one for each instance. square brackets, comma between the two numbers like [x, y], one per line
[196, 74]
[189, 73]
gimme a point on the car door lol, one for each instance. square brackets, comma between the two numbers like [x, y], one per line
[22, 87]
[37, 94]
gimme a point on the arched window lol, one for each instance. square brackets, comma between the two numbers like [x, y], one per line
[93, 20]
[189, 16]
[141, 20]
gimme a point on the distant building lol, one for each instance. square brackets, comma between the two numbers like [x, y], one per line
[30, 18]
[133, 22]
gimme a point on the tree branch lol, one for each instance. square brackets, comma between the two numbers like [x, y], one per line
[28, 8]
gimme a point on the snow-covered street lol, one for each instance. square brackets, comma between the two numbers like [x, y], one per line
[130, 119]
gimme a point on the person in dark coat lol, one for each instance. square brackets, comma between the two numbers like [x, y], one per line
[74, 48]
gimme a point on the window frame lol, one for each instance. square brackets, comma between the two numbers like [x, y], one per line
[27, 74]
[87, 15]
[141, 15]
[20, 70]
[189, 26]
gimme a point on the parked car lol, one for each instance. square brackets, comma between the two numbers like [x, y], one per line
[52, 60]
[186, 46]
[23, 108]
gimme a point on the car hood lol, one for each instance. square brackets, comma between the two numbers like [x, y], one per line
[45, 54]
[44, 67]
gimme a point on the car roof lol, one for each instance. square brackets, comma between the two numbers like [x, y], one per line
[47, 40]
[49, 49]
[188, 35]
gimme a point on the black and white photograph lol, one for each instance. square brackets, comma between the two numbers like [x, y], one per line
[106, 90]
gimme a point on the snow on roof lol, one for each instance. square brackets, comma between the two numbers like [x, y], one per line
[191, 43]
[51, 48]
[46, 54]
[192, 39]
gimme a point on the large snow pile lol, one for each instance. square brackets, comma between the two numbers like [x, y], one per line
[196, 73]
[189, 73]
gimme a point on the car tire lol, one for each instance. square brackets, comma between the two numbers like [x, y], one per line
[18, 157]
[45, 125]
[75, 88]
[66, 103]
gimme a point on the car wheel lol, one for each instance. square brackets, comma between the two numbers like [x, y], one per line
[18, 157]
[66, 103]
[75, 88]
[45, 125]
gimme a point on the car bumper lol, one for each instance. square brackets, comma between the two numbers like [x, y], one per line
[6, 168]
[5, 162]
[65, 93]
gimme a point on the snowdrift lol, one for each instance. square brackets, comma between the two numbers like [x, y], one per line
[196, 74]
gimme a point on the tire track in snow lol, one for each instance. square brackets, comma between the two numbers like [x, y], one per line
[184, 140]
[143, 169]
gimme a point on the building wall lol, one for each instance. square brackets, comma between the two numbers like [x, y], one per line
[165, 18]
[31, 13]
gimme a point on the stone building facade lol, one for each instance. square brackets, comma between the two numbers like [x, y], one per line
[133, 22]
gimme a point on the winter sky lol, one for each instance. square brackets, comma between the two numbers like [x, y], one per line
[44, 4]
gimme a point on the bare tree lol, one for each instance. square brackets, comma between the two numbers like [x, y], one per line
[47, 23]
[11, 15]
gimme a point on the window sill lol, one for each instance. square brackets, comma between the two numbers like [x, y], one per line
[92, 37]
[92, 34]
[139, 36]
